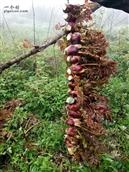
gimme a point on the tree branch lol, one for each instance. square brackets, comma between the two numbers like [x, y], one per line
[35, 50]
[30, 53]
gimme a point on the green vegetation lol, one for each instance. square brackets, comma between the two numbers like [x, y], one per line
[32, 138]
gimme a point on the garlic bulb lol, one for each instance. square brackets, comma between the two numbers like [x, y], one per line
[70, 100]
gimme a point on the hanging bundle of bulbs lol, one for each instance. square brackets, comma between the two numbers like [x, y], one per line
[88, 68]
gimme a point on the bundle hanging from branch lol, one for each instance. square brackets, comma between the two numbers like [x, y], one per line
[88, 68]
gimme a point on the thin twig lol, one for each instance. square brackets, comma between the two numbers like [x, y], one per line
[30, 128]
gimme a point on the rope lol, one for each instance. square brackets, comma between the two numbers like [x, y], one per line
[34, 26]
[50, 22]
[9, 30]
